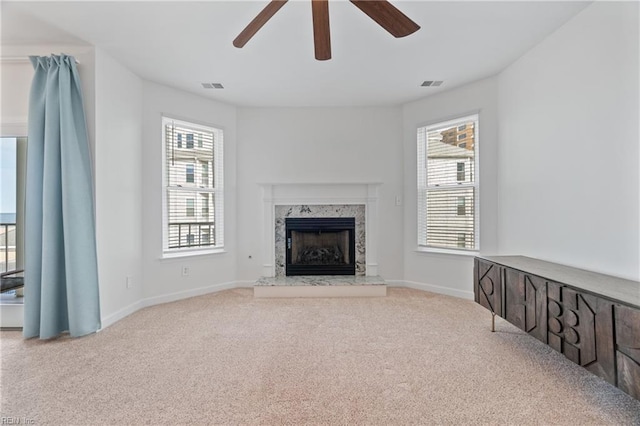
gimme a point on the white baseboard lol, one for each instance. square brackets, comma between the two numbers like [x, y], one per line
[462, 294]
[172, 297]
[118, 315]
[245, 283]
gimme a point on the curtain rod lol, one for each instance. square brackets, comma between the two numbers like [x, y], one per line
[20, 59]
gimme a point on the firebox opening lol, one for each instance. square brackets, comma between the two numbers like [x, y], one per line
[320, 246]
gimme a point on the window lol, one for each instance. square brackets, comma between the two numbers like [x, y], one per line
[205, 174]
[462, 208]
[448, 186]
[9, 177]
[191, 207]
[460, 172]
[462, 128]
[179, 139]
[205, 205]
[460, 137]
[190, 178]
[193, 184]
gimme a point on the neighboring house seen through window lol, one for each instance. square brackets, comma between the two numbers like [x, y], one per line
[193, 196]
[447, 181]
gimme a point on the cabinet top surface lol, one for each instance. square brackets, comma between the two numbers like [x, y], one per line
[618, 289]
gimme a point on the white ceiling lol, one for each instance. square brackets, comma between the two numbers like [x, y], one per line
[182, 44]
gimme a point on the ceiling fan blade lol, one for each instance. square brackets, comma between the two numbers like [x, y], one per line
[321, 31]
[257, 23]
[388, 17]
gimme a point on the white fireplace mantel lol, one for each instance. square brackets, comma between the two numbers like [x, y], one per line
[323, 193]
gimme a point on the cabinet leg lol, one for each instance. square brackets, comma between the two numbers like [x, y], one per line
[493, 321]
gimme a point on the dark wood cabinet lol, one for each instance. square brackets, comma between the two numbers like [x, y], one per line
[487, 287]
[559, 306]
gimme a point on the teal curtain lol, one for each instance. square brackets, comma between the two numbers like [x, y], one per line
[61, 273]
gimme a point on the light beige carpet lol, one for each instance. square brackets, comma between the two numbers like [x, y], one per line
[227, 358]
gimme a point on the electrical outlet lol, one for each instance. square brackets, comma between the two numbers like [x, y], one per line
[185, 271]
[129, 282]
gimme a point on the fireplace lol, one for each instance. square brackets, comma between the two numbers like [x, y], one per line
[320, 246]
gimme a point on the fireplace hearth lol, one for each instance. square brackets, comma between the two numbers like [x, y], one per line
[320, 246]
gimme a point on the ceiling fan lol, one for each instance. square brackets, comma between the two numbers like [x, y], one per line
[383, 12]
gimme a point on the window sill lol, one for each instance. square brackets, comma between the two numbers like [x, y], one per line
[429, 250]
[190, 253]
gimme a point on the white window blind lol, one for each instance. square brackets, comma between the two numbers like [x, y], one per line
[193, 183]
[448, 184]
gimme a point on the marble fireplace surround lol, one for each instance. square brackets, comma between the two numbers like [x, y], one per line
[356, 211]
[359, 200]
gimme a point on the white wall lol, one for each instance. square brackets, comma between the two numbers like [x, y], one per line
[451, 273]
[118, 190]
[15, 84]
[162, 277]
[319, 145]
[568, 159]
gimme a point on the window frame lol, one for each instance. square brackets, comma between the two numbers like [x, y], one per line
[216, 190]
[423, 188]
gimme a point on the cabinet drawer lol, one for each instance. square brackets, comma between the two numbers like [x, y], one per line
[580, 326]
[526, 302]
[487, 286]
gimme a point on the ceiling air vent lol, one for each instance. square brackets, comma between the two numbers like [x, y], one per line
[431, 83]
[212, 86]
